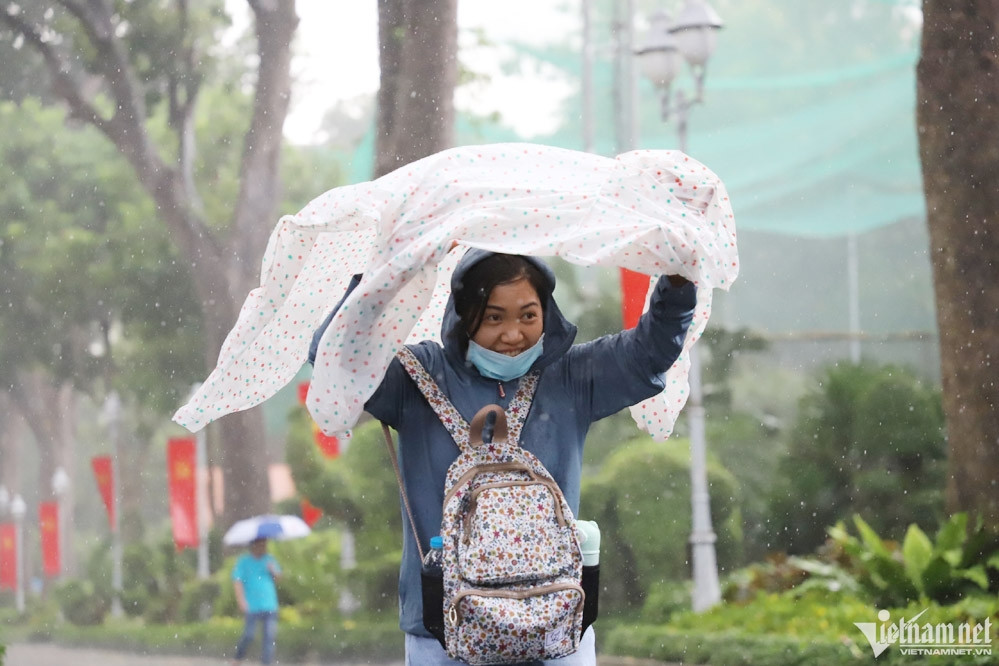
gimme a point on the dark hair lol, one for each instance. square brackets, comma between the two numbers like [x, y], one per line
[471, 297]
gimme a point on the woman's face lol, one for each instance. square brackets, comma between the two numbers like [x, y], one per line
[513, 321]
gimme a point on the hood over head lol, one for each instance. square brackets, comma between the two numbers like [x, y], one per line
[559, 332]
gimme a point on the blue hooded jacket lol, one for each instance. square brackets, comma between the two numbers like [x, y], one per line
[578, 384]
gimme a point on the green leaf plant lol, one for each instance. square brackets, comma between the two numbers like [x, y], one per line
[953, 566]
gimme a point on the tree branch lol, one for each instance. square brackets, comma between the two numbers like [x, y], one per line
[64, 85]
[276, 22]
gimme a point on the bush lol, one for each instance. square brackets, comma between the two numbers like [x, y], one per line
[641, 500]
[306, 640]
[197, 600]
[867, 436]
[358, 491]
[82, 603]
[788, 629]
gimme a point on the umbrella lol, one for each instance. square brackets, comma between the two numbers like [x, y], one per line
[280, 528]
[652, 211]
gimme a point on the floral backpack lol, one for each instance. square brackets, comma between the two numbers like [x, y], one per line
[512, 567]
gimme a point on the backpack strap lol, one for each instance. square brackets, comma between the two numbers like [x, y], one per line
[448, 414]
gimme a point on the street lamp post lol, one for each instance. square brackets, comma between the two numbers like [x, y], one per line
[112, 415]
[17, 509]
[60, 488]
[692, 38]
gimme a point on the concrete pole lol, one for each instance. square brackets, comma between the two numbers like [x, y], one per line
[17, 510]
[201, 503]
[853, 294]
[113, 407]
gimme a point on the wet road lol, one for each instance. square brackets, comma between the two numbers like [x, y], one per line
[46, 654]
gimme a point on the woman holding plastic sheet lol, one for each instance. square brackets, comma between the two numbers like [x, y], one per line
[500, 323]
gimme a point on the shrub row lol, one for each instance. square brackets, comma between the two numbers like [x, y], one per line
[734, 648]
[372, 639]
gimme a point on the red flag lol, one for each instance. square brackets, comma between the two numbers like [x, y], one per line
[181, 465]
[48, 519]
[328, 444]
[103, 471]
[634, 289]
[8, 556]
[310, 513]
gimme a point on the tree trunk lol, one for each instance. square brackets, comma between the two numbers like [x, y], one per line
[419, 71]
[12, 435]
[958, 119]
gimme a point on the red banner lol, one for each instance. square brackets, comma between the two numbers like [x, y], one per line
[634, 289]
[8, 556]
[48, 520]
[181, 465]
[103, 473]
[328, 444]
[310, 513]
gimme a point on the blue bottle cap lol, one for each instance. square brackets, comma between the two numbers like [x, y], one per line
[437, 543]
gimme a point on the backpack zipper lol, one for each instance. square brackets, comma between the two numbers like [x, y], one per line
[502, 393]
[473, 500]
[454, 614]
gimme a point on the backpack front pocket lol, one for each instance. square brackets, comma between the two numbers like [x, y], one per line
[514, 531]
[513, 626]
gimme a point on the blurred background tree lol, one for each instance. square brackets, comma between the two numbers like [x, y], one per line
[135, 72]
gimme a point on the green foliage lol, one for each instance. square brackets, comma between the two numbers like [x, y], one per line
[868, 436]
[792, 628]
[641, 500]
[81, 253]
[951, 567]
[750, 451]
[312, 580]
[359, 491]
[664, 598]
[780, 573]
[82, 602]
[197, 600]
[299, 640]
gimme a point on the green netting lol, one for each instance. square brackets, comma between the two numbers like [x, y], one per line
[809, 114]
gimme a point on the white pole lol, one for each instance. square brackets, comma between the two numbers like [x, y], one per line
[853, 294]
[114, 419]
[18, 509]
[201, 504]
[707, 590]
[61, 487]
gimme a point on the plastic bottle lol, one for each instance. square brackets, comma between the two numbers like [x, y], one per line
[432, 581]
[434, 559]
[589, 542]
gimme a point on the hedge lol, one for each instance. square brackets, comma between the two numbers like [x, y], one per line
[370, 639]
[737, 649]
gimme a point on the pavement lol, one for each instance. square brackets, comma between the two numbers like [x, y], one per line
[47, 654]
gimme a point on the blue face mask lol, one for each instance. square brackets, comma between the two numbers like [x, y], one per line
[500, 366]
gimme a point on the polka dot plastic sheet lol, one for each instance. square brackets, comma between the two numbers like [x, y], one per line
[652, 211]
